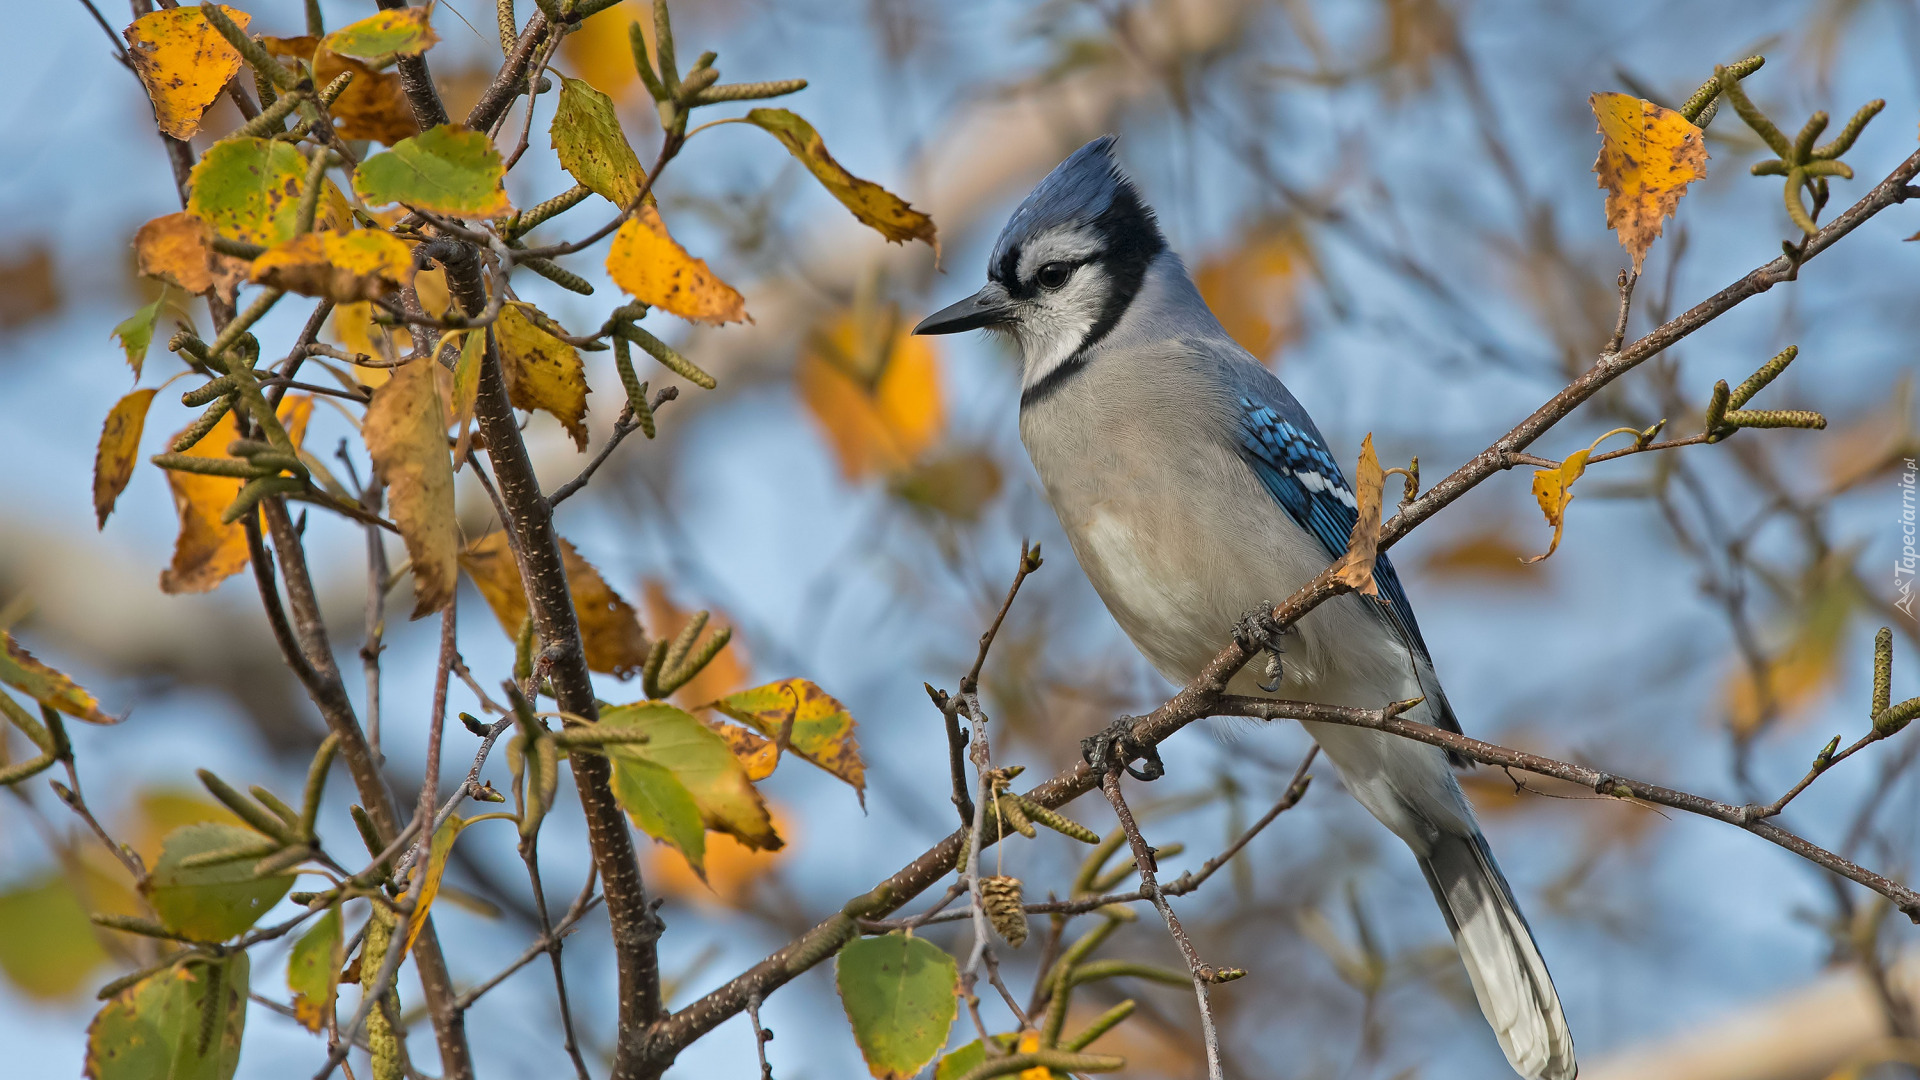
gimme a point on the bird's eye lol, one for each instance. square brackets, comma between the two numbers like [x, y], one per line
[1053, 275]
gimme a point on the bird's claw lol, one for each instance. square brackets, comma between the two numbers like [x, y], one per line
[1116, 746]
[1258, 632]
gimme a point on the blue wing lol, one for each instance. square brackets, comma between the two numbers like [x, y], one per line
[1293, 463]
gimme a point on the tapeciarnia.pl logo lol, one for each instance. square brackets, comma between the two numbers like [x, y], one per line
[1908, 562]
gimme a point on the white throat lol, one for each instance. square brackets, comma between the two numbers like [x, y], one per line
[1052, 326]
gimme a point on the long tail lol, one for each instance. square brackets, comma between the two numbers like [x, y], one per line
[1509, 978]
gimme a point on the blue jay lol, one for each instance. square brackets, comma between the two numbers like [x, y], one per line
[1193, 488]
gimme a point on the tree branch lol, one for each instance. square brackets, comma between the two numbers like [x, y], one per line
[1752, 818]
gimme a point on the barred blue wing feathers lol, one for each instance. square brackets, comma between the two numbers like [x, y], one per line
[1303, 477]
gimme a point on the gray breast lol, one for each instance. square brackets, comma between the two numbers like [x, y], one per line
[1137, 455]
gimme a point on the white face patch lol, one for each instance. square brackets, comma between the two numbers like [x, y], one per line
[1051, 325]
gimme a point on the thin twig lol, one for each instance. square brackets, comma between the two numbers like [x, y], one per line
[1149, 884]
[761, 1036]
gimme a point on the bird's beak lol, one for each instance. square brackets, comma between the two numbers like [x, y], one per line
[988, 307]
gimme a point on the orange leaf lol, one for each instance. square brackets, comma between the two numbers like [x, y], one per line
[598, 49]
[647, 263]
[733, 870]
[1253, 288]
[119, 443]
[345, 267]
[179, 248]
[1648, 156]
[822, 728]
[615, 642]
[407, 440]
[875, 391]
[754, 752]
[1363, 544]
[542, 372]
[208, 552]
[373, 106]
[183, 62]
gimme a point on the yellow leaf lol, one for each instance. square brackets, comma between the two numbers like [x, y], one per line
[355, 330]
[1803, 671]
[183, 62]
[586, 135]
[345, 267]
[464, 392]
[875, 206]
[757, 754]
[698, 759]
[1253, 288]
[1363, 544]
[249, 189]
[875, 391]
[373, 106]
[430, 874]
[178, 248]
[1028, 1043]
[407, 440]
[22, 671]
[733, 869]
[430, 286]
[727, 671]
[822, 728]
[156, 812]
[1553, 490]
[542, 372]
[394, 32]
[1648, 156]
[615, 642]
[648, 264]
[207, 551]
[598, 50]
[119, 443]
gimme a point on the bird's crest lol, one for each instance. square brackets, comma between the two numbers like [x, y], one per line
[1079, 191]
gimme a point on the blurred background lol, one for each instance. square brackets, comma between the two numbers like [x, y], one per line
[1390, 201]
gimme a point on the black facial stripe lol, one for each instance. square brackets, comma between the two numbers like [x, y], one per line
[1008, 273]
[1132, 240]
[1053, 380]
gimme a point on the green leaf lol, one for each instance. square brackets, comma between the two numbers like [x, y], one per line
[395, 32]
[592, 148]
[313, 970]
[822, 727]
[700, 759]
[249, 189]
[899, 993]
[961, 1062]
[183, 1023]
[20, 670]
[875, 206]
[661, 806]
[136, 332]
[447, 169]
[211, 903]
[47, 944]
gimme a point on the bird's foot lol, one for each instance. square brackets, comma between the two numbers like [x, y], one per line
[1258, 631]
[1117, 746]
